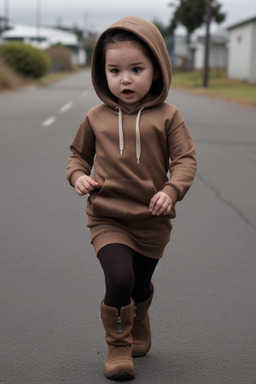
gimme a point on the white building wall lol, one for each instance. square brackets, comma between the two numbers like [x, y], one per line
[252, 71]
[217, 58]
[79, 58]
[240, 46]
[180, 46]
[199, 56]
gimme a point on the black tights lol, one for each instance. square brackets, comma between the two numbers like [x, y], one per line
[127, 274]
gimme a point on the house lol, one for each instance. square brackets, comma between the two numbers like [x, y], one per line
[242, 50]
[218, 53]
[192, 56]
[178, 48]
[44, 37]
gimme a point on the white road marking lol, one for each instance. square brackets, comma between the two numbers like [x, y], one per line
[49, 121]
[66, 107]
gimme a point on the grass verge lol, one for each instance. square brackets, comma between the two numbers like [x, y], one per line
[11, 80]
[219, 86]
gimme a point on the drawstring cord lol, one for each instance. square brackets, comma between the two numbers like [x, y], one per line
[121, 134]
[138, 142]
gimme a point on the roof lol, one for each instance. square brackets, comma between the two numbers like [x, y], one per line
[239, 24]
[53, 35]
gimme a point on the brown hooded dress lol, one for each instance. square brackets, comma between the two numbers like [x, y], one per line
[132, 149]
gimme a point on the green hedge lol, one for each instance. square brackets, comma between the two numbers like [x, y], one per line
[25, 59]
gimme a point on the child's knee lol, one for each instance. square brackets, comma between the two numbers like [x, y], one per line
[121, 285]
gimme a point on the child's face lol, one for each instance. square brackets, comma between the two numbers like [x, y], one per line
[128, 70]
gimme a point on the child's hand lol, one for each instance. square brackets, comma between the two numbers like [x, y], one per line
[160, 204]
[85, 184]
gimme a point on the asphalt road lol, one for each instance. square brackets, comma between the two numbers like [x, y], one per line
[204, 311]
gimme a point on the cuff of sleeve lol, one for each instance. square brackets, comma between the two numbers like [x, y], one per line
[172, 193]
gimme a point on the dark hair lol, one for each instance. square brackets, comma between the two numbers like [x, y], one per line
[119, 35]
[114, 36]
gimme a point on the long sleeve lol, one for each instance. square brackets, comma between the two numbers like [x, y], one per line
[83, 151]
[182, 154]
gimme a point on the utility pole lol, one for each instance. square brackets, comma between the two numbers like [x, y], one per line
[38, 20]
[4, 20]
[6, 14]
[207, 43]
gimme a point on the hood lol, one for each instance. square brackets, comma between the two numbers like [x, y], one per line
[151, 35]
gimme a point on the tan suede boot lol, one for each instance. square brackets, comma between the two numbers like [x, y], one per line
[141, 333]
[119, 364]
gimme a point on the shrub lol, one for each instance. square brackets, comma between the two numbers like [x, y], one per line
[60, 58]
[9, 79]
[25, 59]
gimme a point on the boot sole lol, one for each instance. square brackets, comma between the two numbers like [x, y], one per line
[139, 355]
[120, 376]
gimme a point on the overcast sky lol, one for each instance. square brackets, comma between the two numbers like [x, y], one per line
[96, 15]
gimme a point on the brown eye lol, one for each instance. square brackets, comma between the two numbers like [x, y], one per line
[115, 71]
[137, 69]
